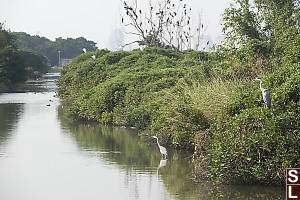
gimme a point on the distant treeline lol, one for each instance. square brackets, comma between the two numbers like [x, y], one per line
[16, 64]
[69, 48]
[23, 56]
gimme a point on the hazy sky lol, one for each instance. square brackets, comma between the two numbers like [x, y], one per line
[92, 19]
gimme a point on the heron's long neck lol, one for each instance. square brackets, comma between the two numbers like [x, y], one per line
[157, 141]
[261, 87]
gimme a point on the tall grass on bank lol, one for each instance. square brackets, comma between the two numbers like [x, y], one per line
[211, 95]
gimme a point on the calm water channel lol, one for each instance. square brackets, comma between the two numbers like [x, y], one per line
[44, 156]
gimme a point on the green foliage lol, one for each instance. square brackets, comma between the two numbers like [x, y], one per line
[248, 143]
[69, 47]
[252, 144]
[129, 88]
[6, 39]
[12, 66]
[178, 121]
[255, 146]
[264, 27]
[17, 65]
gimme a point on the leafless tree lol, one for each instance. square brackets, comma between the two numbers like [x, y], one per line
[200, 29]
[166, 23]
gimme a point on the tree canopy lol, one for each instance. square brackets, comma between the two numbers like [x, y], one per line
[267, 27]
[16, 65]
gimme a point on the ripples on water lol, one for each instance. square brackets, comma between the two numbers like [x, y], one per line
[44, 155]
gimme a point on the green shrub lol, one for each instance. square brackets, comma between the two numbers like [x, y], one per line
[177, 120]
[252, 144]
[254, 147]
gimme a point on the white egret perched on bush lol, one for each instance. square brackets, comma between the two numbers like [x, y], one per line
[265, 93]
[94, 57]
[84, 50]
[162, 149]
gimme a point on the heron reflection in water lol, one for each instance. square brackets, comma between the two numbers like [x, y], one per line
[162, 163]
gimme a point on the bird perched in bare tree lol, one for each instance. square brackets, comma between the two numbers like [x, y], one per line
[265, 93]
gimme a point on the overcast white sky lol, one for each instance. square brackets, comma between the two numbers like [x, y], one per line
[92, 19]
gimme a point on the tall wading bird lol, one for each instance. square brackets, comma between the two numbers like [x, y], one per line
[84, 50]
[162, 149]
[265, 93]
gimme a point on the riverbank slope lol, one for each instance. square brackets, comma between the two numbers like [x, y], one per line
[196, 101]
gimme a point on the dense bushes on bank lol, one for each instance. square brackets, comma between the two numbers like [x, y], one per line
[187, 102]
[131, 89]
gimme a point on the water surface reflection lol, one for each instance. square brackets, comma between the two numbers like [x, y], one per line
[135, 158]
[45, 156]
[144, 170]
[9, 116]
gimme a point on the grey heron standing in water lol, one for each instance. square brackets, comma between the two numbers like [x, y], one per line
[265, 93]
[162, 149]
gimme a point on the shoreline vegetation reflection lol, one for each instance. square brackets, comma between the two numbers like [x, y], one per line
[139, 155]
[121, 146]
[9, 117]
